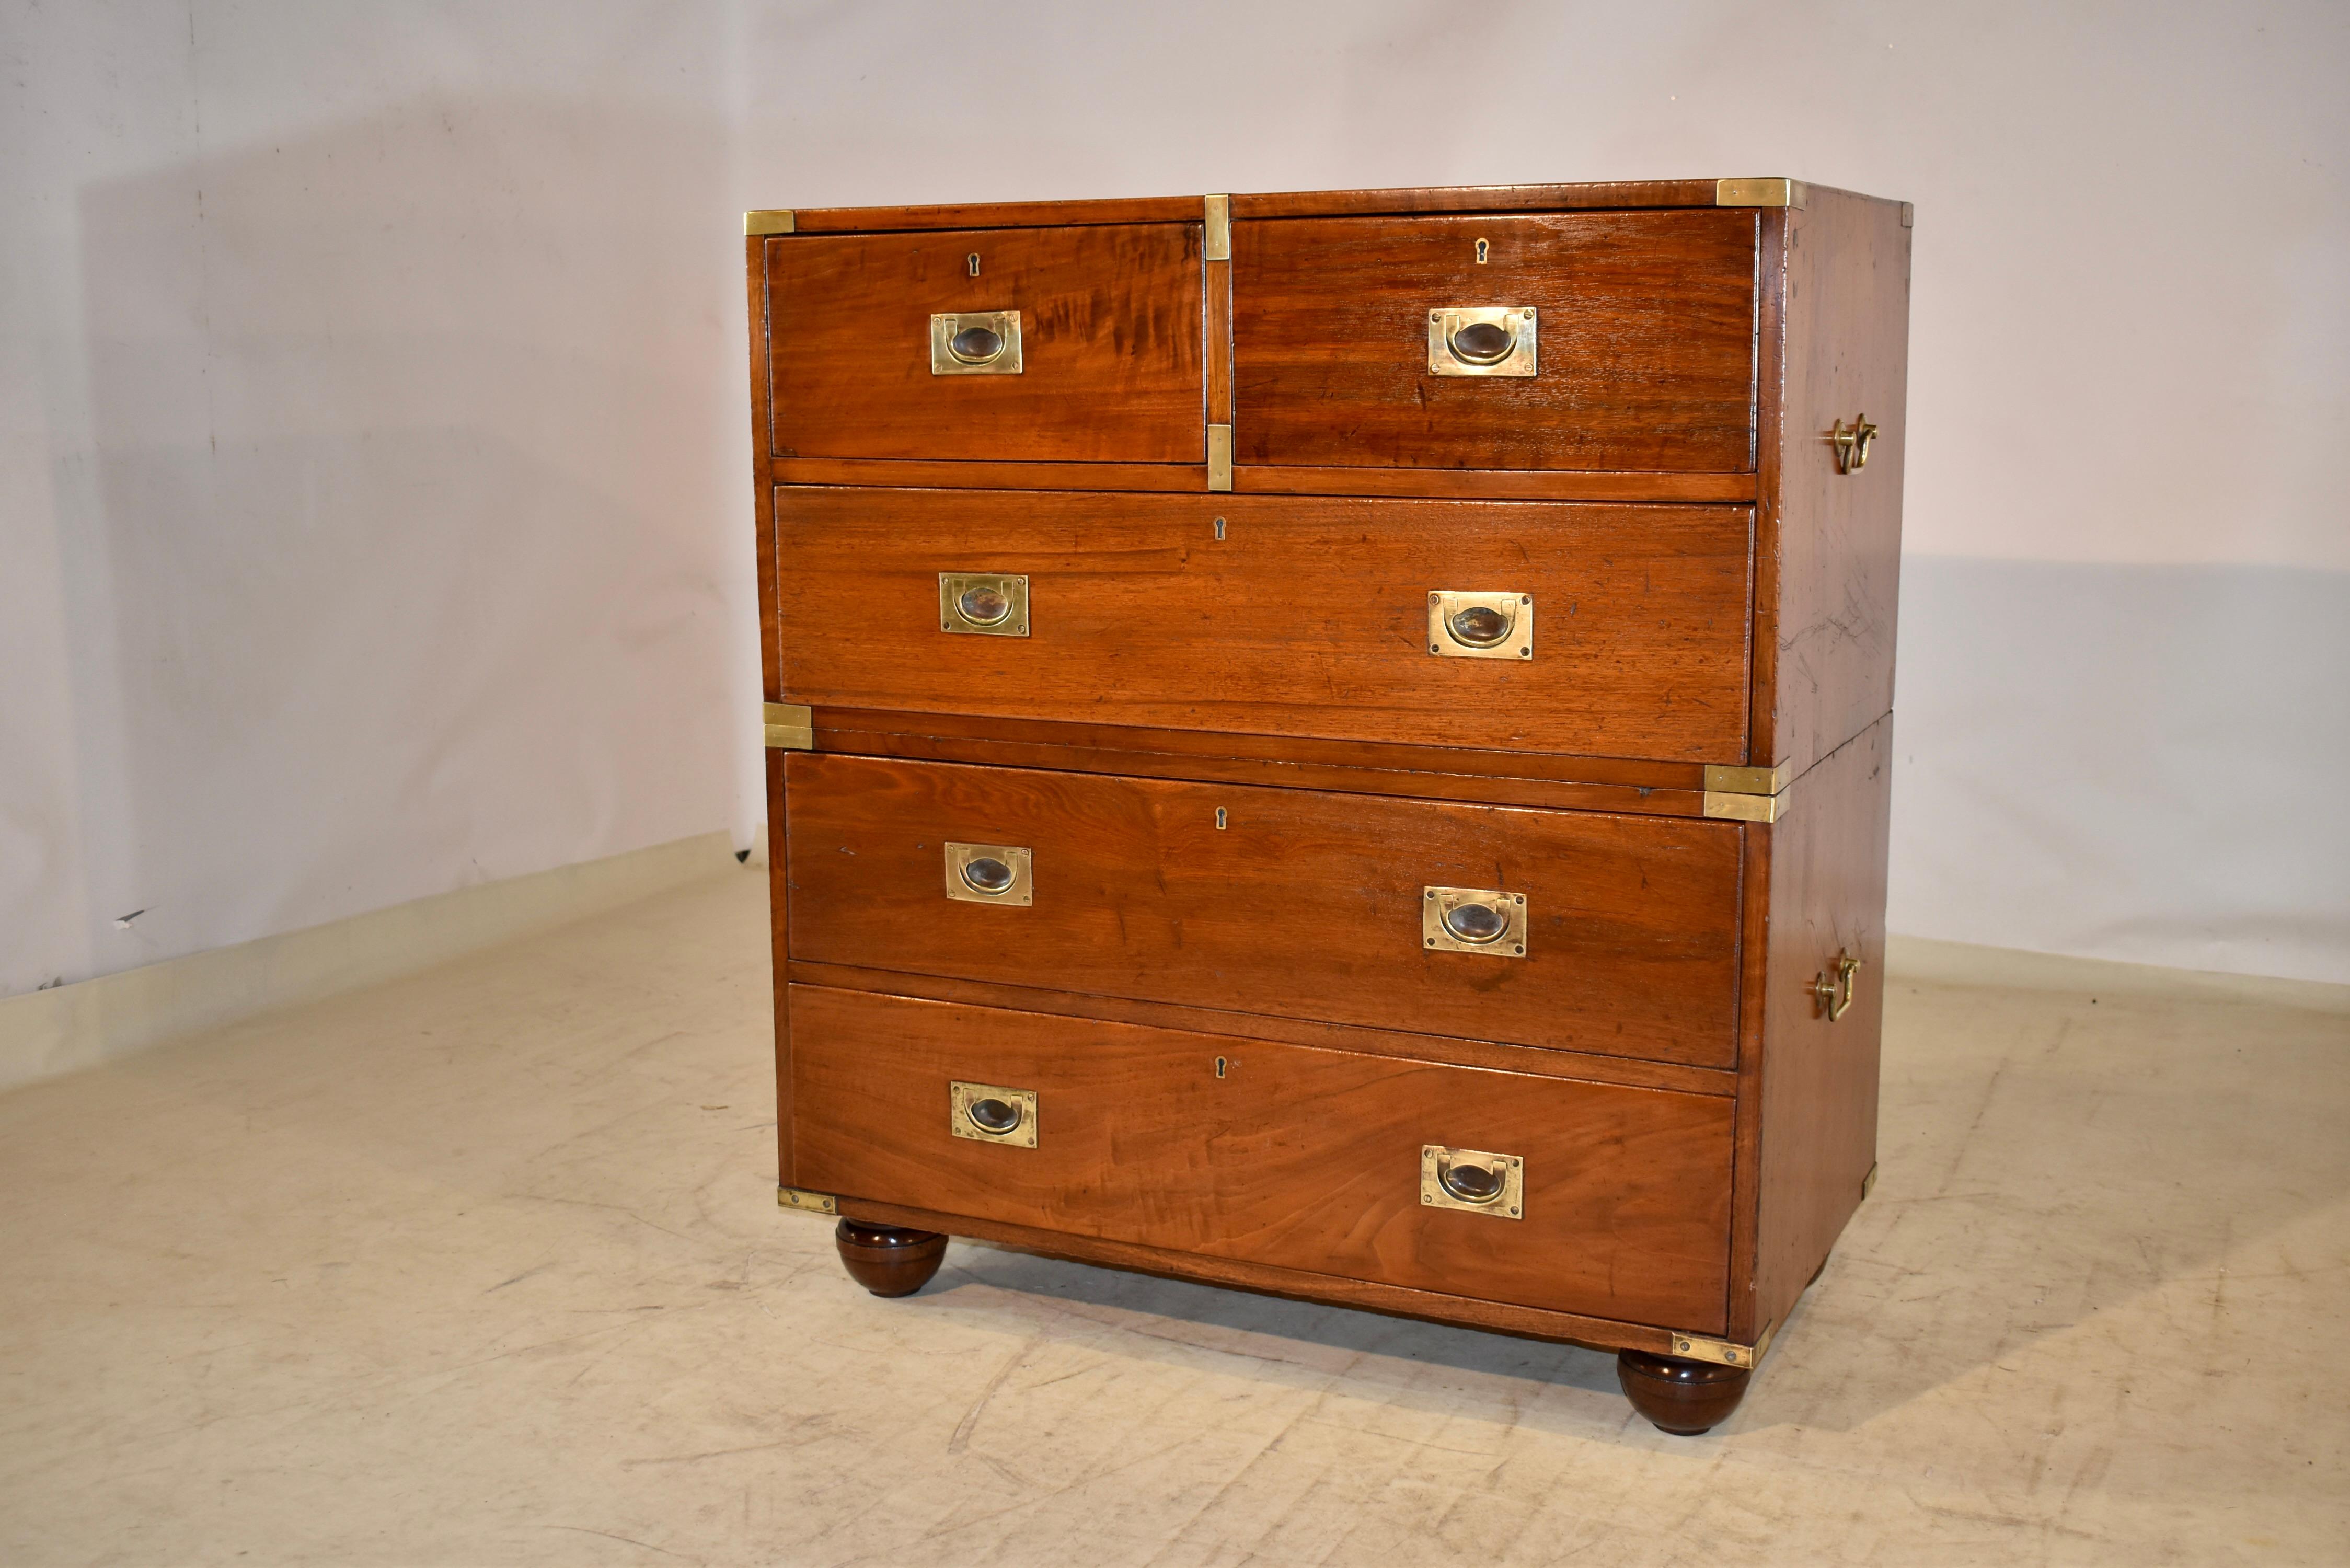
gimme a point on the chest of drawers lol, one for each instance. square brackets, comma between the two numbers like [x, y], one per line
[1338, 744]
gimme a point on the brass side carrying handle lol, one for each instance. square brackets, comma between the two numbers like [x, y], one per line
[975, 343]
[1852, 445]
[1483, 340]
[1473, 1179]
[1835, 994]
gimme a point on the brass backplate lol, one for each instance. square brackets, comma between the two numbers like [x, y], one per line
[1448, 356]
[809, 1202]
[1438, 1162]
[971, 882]
[946, 359]
[962, 1096]
[1452, 919]
[1776, 192]
[790, 727]
[983, 604]
[1453, 632]
[772, 221]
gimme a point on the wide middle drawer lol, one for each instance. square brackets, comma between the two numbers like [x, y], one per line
[1298, 903]
[1614, 630]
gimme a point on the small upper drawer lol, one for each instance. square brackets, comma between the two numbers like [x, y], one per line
[1576, 341]
[1078, 344]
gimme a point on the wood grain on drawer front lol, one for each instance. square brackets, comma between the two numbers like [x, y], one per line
[1110, 337]
[1308, 618]
[1297, 1155]
[1646, 338]
[1304, 904]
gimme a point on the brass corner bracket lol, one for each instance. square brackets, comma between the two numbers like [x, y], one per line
[770, 220]
[1725, 1351]
[1771, 192]
[1747, 794]
[803, 1199]
[790, 727]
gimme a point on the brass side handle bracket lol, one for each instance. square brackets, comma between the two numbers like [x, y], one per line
[1835, 994]
[1852, 443]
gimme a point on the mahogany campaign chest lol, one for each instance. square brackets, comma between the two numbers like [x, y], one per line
[1338, 744]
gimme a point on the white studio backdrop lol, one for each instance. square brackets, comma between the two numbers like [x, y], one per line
[374, 468]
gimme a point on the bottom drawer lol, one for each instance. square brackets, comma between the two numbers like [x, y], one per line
[1290, 1154]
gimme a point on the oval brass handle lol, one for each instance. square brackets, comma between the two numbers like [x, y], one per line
[992, 1116]
[984, 604]
[986, 874]
[1479, 626]
[1836, 994]
[1483, 342]
[1477, 923]
[975, 345]
[1477, 1184]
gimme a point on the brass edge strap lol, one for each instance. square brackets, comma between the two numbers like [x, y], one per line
[1216, 243]
[810, 1202]
[1771, 192]
[789, 726]
[775, 221]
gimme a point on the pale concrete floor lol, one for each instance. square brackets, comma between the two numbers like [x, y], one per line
[484, 1267]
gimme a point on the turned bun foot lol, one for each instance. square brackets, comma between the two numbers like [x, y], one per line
[1683, 1398]
[891, 1262]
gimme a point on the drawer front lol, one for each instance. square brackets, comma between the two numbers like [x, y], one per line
[1297, 902]
[1110, 335]
[1295, 1155]
[1643, 341]
[1307, 617]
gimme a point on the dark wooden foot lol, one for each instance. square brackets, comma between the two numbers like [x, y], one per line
[1683, 1398]
[889, 1262]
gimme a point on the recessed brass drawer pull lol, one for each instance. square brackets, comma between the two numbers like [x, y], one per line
[989, 1113]
[1474, 1181]
[990, 874]
[1482, 340]
[1474, 921]
[1493, 625]
[976, 343]
[983, 604]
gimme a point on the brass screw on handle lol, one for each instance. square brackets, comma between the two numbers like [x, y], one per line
[1836, 994]
[1852, 445]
